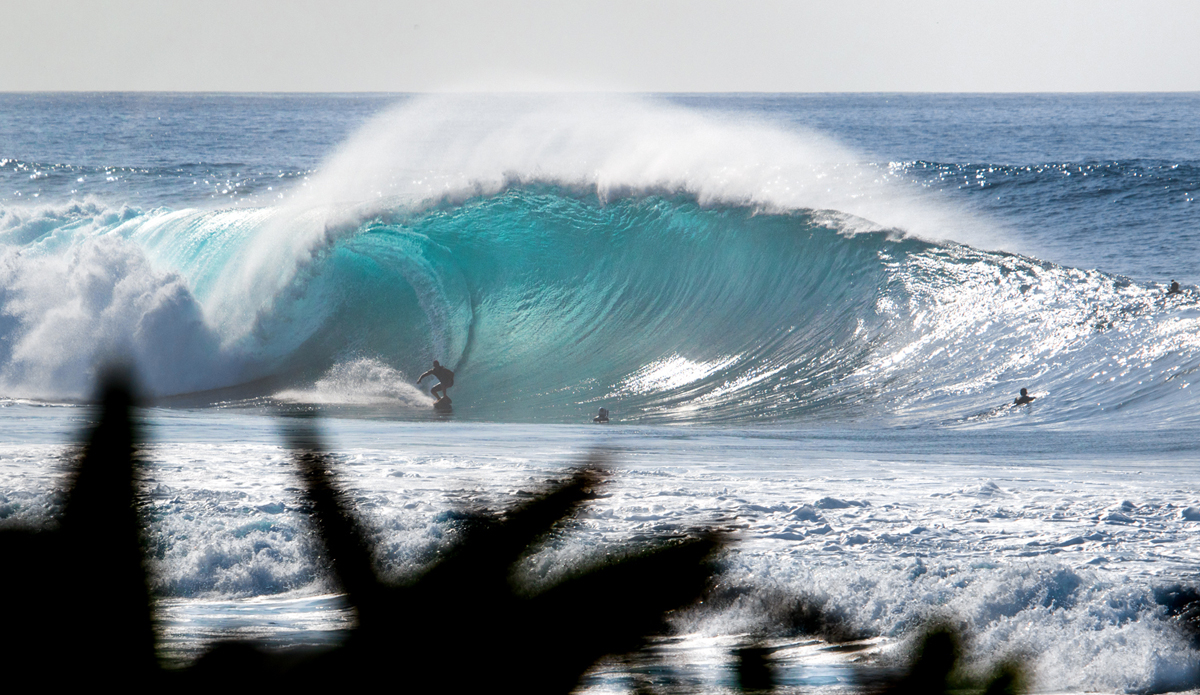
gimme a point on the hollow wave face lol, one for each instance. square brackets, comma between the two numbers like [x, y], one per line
[660, 308]
[663, 309]
[667, 266]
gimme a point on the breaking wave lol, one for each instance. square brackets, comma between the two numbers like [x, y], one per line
[664, 265]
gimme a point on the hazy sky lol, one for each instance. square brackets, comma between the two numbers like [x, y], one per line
[639, 45]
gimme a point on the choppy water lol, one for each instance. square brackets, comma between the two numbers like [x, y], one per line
[806, 314]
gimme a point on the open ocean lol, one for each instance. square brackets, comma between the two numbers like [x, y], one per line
[807, 314]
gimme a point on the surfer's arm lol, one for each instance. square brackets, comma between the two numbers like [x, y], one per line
[424, 375]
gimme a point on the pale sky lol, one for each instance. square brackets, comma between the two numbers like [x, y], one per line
[616, 45]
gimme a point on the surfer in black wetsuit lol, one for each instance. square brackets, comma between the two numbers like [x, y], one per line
[445, 380]
[1174, 288]
[1024, 398]
[602, 417]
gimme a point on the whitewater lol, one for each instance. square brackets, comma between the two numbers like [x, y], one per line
[807, 314]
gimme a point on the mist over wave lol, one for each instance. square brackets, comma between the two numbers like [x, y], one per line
[674, 265]
[567, 255]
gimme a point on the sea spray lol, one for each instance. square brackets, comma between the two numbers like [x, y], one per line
[567, 254]
[659, 307]
[99, 300]
[364, 381]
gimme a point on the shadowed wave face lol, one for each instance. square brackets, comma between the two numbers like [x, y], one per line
[562, 255]
[550, 302]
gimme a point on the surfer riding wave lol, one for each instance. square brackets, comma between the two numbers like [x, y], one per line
[445, 380]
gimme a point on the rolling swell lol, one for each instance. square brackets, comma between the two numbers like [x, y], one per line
[549, 303]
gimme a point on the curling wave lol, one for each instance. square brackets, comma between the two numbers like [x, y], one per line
[551, 301]
[564, 255]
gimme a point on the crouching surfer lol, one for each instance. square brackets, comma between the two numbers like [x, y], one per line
[445, 379]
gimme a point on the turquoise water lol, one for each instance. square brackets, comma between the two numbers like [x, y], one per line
[807, 314]
[674, 259]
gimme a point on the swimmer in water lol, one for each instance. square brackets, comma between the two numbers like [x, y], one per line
[1174, 288]
[1024, 398]
[602, 417]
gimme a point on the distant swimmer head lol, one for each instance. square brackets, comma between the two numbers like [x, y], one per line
[1024, 392]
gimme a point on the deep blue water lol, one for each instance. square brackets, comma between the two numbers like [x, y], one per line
[711, 258]
[838, 295]
[1141, 151]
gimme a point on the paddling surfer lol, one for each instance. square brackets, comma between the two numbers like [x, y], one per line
[1024, 398]
[445, 380]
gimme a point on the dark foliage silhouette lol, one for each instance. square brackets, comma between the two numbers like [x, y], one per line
[1006, 679]
[78, 609]
[76, 594]
[935, 670]
[755, 673]
[540, 642]
[784, 614]
[78, 598]
[933, 662]
[1183, 608]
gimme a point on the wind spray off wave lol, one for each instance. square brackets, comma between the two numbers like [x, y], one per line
[563, 255]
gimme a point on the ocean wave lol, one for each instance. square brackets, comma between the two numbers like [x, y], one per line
[552, 302]
[595, 252]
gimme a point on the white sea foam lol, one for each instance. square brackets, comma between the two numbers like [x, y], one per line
[989, 323]
[75, 302]
[364, 381]
[1029, 556]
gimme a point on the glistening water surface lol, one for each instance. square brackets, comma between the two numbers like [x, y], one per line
[807, 314]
